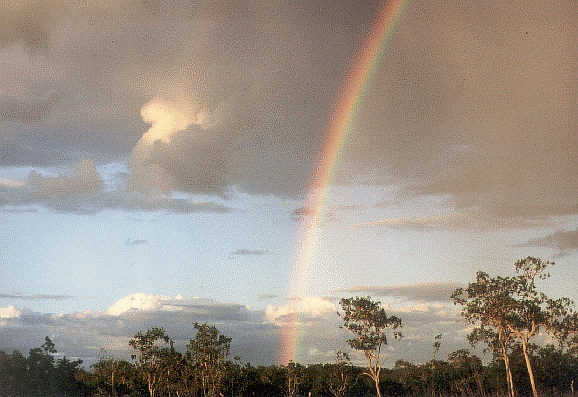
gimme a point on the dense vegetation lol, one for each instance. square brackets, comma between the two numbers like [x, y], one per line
[462, 374]
[506, 312]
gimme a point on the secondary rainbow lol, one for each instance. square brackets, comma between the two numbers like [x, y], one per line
[347, 106]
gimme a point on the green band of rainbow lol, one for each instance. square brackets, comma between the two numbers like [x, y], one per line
[347, 106]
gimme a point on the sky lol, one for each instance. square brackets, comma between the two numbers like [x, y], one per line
[158, 159]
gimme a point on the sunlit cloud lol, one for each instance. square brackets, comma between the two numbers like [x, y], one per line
[166, 118]
[311, 306]
[10, 312]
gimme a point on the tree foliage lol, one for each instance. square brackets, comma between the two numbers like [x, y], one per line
[207, 352]
[504, 309]
[370, 324]
[155, 357]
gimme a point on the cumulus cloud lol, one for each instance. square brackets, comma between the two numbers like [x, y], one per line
[310, 307]
[429, 292]
[141, 301]
[82, 334]
[10, 312]
[255, 333]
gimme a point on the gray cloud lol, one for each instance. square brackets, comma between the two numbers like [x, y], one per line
[460, 218]
[26, 22]
[30, 297]
[431, 291]
[12, 110]
[564, 241]
[471, 100]
[302, 213]
[264, 297]
[255, 339]
[244, 251]
[84, 191]
[135, 242]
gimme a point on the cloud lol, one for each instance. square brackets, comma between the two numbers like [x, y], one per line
[81, 334]
[244, 251]
[255, 333]
[30, 297]
[310, 307]
[481, 112]
[302, 213]
[141, 302]
[429, 292]
[26, 22]
[135, 242]
[264, 297]
[565, 241]
[10, 312]
[84, 191]
[462, 219]
[14, 110]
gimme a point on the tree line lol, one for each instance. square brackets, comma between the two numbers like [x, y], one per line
[505, 313]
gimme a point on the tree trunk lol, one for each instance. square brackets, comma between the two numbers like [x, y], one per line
[509, 376]
[529, 366]
[376, 380]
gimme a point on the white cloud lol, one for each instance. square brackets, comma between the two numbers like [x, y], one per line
[311, 306]
[10, 312]
[168, 117]
[275, 313]
[256, 333]
[142, 302]
[317, 306]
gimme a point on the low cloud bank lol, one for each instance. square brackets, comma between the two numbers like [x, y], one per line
[256, 333]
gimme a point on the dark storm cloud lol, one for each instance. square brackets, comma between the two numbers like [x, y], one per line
[13, 110]
[25, 21]
[564, 241]
[472, 100]
[474, 114]
[432, 292]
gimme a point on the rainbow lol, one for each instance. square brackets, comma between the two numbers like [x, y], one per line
[358, 80]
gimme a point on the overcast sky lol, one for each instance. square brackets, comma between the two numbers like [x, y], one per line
[155, 158]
